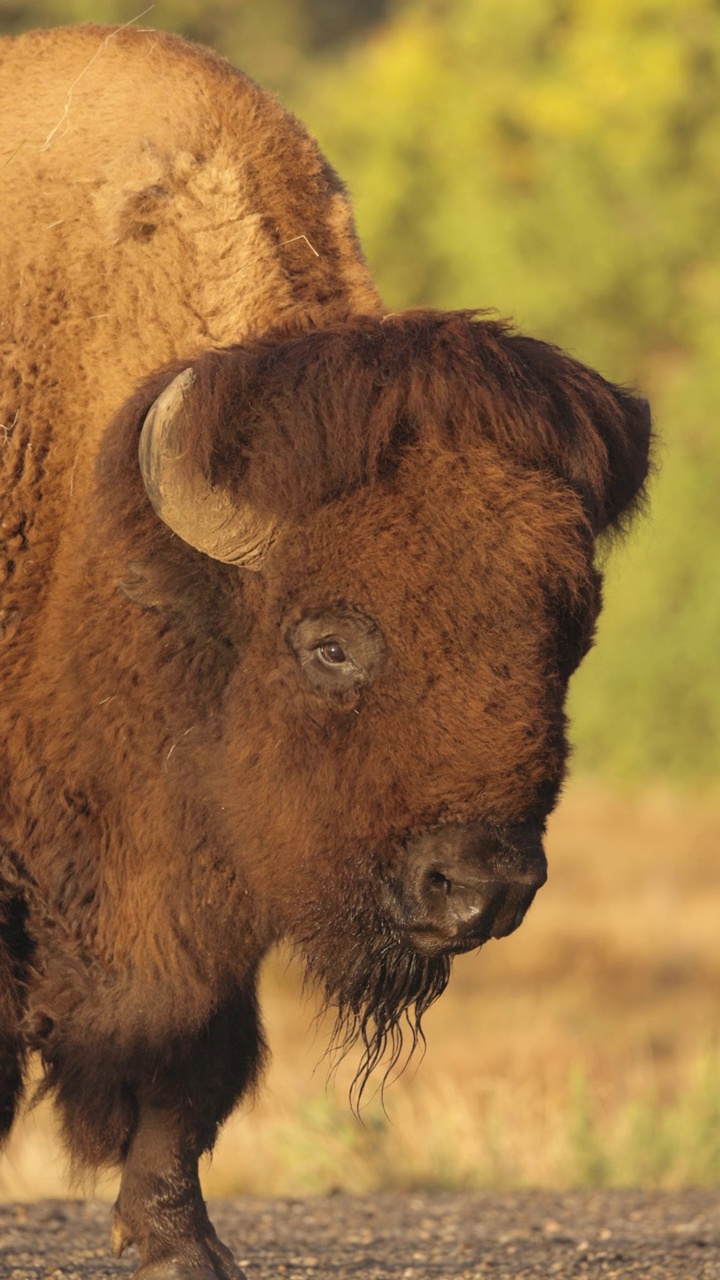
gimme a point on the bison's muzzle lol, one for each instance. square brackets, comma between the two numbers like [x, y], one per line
[454, 887]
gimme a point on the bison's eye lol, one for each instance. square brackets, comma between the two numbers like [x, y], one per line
[332, 652]
[340, 650]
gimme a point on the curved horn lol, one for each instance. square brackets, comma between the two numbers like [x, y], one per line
[206, 518]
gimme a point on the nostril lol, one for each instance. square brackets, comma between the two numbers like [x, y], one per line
[438, 882]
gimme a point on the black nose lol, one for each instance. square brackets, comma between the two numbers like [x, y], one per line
[456, 886]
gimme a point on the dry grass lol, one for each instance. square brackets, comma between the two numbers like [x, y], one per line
[584, 1050]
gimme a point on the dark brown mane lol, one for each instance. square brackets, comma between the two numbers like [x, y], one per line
[294, 421]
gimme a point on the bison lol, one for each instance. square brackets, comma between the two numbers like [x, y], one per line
[292, 590]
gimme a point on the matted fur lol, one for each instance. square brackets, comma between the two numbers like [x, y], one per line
[175, 796]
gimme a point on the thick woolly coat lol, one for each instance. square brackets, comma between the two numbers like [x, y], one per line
[174, 797]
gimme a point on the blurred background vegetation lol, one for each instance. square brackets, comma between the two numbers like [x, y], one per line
[557, 161]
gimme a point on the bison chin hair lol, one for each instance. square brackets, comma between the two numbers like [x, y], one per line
[379, 992]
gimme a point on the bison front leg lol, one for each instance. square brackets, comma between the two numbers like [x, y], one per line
[160, 1207]
[180, 1108]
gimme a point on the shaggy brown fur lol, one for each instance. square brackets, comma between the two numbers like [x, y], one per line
[175, 794]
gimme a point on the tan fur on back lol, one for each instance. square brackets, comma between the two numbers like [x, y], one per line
[134, 237]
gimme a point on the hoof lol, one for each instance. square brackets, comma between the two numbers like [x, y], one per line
[120, 1235]
[211, 1261]
[174, 1271]
[178, 1269]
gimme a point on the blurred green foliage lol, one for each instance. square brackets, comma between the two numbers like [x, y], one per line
[273, 40]
[559, 161]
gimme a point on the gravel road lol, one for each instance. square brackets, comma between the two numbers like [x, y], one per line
[538, 1235]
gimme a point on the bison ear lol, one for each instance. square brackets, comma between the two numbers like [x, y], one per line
[594, 434]
[607, 459]
[203, 515]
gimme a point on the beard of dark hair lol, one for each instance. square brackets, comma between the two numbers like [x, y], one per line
[379, 991]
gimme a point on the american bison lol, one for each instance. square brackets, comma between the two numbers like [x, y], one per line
[291, 593]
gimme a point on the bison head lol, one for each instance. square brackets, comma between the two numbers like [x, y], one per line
[403, 516]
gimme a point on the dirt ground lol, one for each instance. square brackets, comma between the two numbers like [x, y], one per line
[514, 1236]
